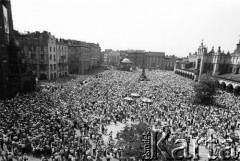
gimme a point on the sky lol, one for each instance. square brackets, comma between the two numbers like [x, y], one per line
[176, 27]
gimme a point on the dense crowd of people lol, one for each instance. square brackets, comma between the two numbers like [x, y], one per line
[69, 120]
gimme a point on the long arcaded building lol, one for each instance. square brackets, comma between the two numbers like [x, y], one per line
[225, 66]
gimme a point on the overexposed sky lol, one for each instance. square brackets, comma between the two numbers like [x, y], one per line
[171, 26]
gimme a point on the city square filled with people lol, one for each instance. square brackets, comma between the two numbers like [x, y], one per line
[79, 118]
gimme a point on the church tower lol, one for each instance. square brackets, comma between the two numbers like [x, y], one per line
[202, 51]
[6, 30]
[11, 78]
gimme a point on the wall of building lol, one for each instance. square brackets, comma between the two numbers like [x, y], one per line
[62, 58]
[13, 75]
[38, 53]
[151, 59]
[137, 58]
[155, 60]
[83, 56]
[114, 58]
[74, 59]
[52, 57]
[216, 62]
[95, 55]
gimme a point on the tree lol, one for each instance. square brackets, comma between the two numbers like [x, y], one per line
[205, 89]
[131, 140]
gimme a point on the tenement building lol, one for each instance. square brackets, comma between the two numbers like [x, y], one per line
[105, 57]
[39, 53]
[95, 52]
[83, 56]
[114, 58]
[225, 66]
[62, 58]
[76, 50]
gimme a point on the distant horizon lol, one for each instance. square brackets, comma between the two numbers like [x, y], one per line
[175, 27]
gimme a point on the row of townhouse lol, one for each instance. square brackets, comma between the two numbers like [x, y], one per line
[50, 58]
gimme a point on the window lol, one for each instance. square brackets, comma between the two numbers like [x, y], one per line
[32, 56]
[51, 67]
[54, 66]
[53, 49]
[54, 57]
[34, 67]
[50, 56]
[50, 49]
[42, 67]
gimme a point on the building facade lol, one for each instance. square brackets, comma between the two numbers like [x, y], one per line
[86, 59]
[215, 62]
[38, 53]
[105, 57]
[83, 56]
[169, 62]
[95, 52]
[155, 60]
[52, 63]
[62, 58]
[114, 58]
[14, 77]
[75, 56]
[225, 66]
[5, 30]
[137, 57]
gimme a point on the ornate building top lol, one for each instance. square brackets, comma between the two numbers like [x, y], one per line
[237, 50]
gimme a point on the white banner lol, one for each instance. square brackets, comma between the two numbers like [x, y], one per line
[5, 16]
